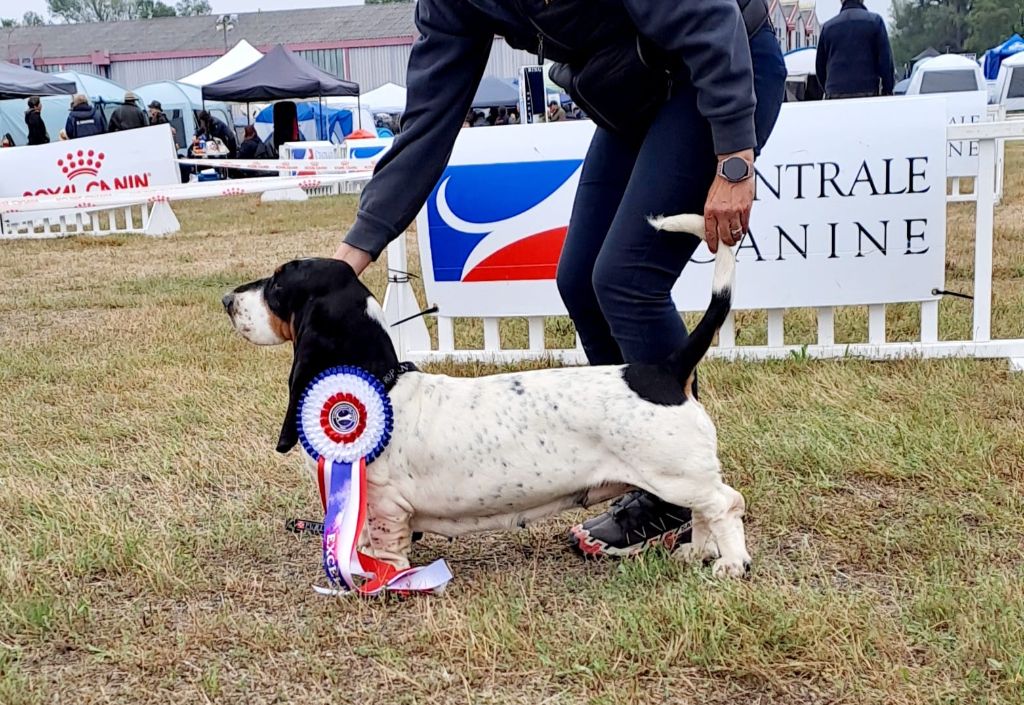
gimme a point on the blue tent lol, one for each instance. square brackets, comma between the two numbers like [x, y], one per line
[316, 122]
[994, 57]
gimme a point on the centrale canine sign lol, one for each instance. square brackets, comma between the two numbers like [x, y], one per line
[850, 210]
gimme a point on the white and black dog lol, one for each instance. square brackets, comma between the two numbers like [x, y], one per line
[496, 452]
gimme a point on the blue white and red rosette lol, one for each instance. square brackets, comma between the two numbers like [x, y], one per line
[345, 422]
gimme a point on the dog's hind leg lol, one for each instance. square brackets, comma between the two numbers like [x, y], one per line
[720, 509]
[726, 524]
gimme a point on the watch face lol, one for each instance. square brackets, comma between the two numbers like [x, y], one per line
[735, 169]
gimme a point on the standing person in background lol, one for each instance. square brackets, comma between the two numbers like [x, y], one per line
[34, 119]
[84, 120]
[854, 58]
[129, 116]
[157, 116]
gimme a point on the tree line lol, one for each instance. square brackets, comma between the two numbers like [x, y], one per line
[952, 26]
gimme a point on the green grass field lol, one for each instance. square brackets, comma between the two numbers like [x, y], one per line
[143, 560]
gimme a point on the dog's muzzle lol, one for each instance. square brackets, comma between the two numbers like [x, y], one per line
[229, 303]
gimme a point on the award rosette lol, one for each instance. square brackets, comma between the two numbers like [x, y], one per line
[345, 421]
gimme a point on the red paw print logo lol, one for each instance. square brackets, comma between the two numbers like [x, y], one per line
[75, 164]
[159, 199]
[309, 184]
[233, 192]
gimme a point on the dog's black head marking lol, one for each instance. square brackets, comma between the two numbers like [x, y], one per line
[326, 309]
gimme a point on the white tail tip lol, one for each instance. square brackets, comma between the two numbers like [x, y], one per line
[725, 260]
[686, 223]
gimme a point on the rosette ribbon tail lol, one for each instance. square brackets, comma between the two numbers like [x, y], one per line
[344, 521]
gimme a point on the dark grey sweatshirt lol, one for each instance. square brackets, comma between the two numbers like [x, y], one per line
[448, 61]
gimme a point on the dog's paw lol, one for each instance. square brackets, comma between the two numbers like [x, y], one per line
[726, 568]
[691, 553]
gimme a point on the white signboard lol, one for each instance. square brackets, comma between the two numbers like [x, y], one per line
[851, 210]
[964, 109]
[118, 161]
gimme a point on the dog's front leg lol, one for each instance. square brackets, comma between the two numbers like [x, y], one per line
[389, 530]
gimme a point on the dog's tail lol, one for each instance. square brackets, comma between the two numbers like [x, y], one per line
[684, 360]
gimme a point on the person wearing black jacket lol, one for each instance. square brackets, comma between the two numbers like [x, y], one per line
[249, 149]
[129, 116]
[212, 127]
[854, 58]
[683, 94]
[84, 120]
[250, 143]
[37, 133]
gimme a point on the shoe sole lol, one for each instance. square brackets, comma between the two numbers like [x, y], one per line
[589, 547]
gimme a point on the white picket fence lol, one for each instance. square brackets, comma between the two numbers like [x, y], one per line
[45, 225]
[414, 341]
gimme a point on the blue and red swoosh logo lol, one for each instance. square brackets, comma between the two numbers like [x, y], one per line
[500, 222]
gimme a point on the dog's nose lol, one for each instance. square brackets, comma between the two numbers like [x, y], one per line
[228, 301]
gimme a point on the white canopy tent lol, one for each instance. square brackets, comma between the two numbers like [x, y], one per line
[800, 63]
[1010, 83]
[949, 73]
[389, 98]
[801, 75]
[241, 56]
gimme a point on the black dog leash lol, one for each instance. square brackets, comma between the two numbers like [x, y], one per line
[940, 292]
[429, 311]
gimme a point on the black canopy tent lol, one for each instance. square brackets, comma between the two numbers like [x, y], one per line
[279, 75]
[18, 82]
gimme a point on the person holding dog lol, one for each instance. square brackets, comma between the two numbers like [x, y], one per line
[684, 95]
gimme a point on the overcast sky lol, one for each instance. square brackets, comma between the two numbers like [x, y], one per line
[17, 8]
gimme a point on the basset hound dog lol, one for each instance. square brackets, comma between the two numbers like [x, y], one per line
[497, 452]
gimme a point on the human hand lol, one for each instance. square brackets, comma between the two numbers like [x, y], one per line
[356, 258]
[727, 210]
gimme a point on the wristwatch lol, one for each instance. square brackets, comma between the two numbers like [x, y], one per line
[735, 169]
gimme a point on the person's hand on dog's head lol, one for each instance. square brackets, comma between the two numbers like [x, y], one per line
[358, 259]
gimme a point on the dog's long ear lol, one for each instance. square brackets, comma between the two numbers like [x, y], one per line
[308, 361]
[332, 327]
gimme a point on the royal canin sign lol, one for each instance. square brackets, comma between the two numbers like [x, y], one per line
[120, 161]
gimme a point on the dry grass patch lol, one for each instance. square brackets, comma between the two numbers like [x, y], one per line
[142, 556]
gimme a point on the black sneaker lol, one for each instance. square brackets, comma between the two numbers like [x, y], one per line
[635, 522]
